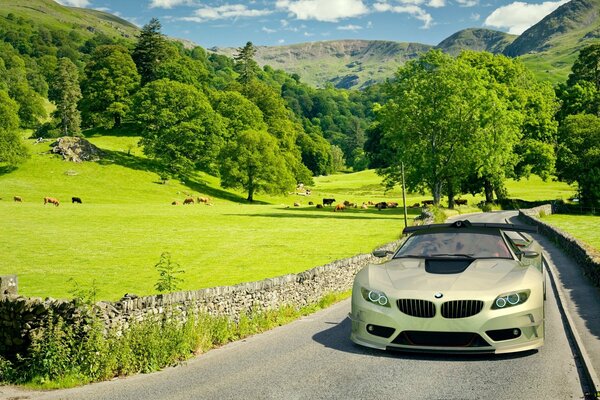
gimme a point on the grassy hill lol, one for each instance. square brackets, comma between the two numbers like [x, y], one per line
[83, 20]
[550, 47]
[477, 40]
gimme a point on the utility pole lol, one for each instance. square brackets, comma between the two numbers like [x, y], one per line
[404, 196]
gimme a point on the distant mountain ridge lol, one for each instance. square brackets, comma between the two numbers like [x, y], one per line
[343, 63]
[476, 39]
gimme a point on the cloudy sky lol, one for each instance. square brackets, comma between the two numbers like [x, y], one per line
[231, 23]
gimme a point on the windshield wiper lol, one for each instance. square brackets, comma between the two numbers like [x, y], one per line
[451, 255]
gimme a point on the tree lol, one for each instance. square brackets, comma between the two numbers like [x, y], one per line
[240, 113]
[579, 155]
[12, 148]
[110, 80]
[65, 93]
[581, 93]
[150, 51]
[179, 126]
[254, 162]
[245, 65]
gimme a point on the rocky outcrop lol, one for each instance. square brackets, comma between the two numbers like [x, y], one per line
[75, 149]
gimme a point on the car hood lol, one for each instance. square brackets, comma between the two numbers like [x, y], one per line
[410, 274]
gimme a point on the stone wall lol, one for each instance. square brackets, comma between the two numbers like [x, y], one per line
[586, 257]
[20, 317]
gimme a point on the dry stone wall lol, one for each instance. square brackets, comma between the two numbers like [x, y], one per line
[20, 317]
[586, 257]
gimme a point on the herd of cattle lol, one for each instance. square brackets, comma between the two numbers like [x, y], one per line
[380, 205]
[50, 200]
[326, 202]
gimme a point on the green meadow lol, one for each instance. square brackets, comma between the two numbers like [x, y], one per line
[112, 241]
[582, 227]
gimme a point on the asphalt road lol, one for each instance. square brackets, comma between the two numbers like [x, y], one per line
[313, 358]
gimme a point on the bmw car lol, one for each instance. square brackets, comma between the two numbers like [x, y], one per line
[461, 287]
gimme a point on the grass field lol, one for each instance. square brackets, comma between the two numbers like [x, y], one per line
[114, 239]
[582, 227]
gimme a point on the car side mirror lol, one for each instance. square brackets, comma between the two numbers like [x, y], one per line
[529, 254]
[382, 253]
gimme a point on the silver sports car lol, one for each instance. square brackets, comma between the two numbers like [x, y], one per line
[460, 287]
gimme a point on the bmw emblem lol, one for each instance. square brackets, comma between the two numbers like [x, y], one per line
[438, 295]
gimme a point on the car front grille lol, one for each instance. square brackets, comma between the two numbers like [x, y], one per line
[416, 308]
[461, 308]
[440, 339]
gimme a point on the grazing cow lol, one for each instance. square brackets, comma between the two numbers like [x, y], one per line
[319, 205]
[347, 203]
[416, 205]
[189, 200]
[205, 200]
[296, 204]
[370, 203]
[427, 202]
[175, 203]
[460, 202]
[381, 205]
[18, 199]
[51, 200]
[310, 203]
[392, 204]
[328, 202]
[76, 200]
[340, 207]
[364, 206]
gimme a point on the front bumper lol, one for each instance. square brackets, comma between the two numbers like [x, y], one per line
[388, 328]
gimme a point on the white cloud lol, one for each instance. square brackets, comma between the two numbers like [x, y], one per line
[169, 3]
[349, 28]
[74, 3]
[281, 41]
[517, 17]
[268, 30]
[323, 10]
[226, 11]
[437, 3]
[411, 9]
[475, 16]
[467, 3]
[307, 34]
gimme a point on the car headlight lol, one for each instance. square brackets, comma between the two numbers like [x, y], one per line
[510, 299]
[375, 297]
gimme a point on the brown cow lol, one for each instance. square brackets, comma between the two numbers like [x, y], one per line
[381, 205]
[175, 203]
[18, 199]
[392, 204]
[203, 200]
[296, 204]
[340, 207]
[189, 200]
[460, 202]
[427, 202]
[51, 200]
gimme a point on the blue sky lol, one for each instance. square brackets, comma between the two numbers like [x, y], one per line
[231, 23]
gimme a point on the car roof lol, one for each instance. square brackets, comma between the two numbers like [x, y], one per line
[466, 225]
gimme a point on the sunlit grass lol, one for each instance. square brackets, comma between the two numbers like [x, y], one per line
[582, 227]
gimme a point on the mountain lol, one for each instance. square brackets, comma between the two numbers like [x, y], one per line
[477, 40]
[551, 46]
[343, 63]
[84, 21]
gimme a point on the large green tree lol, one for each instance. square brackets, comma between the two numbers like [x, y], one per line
[150, 51]
[245, 65]
[581, 93]
[179, 127]
[110, 80]
[66, 93]
[12, 148]
[579, 155]
[254, 163]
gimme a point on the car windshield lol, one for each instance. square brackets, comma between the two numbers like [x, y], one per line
[455, 244]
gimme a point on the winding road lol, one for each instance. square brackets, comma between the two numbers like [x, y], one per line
[313, 358]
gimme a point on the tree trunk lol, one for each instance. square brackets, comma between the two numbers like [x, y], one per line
[250, 189]
[437, 193]
[489, 191]
[117, 120]
[450, 194]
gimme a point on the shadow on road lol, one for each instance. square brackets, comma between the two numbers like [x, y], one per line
[338, 338]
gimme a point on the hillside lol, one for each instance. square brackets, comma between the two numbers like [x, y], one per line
[550, 46]
[477, 40]
[343, 63]
[53, 15]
